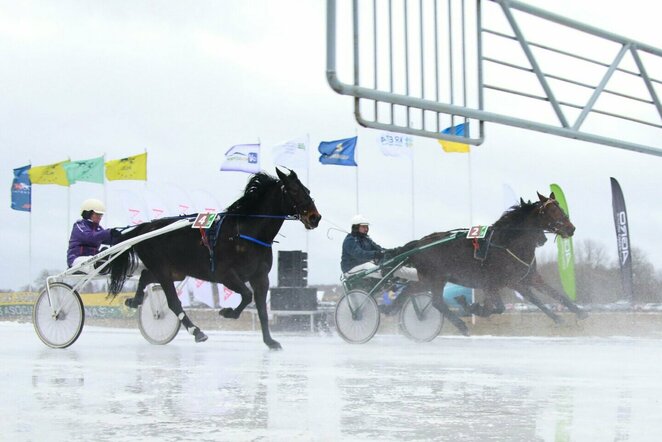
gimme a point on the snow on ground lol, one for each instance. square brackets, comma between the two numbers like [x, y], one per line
[112, 385]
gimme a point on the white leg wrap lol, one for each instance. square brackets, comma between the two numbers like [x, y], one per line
[181, 316]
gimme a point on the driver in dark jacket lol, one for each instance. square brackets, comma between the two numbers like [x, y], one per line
[360, 252]
[358, 248]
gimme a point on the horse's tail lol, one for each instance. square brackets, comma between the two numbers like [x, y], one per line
[120, 269]
[124, 264]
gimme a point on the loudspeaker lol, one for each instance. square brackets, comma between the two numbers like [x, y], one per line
[292, 268]
[293, 298]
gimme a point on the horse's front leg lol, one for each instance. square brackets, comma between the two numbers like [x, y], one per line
[260, 286]
[540, 284]
[526, 292]
[234, 283]
[439, 303]
[493, 302]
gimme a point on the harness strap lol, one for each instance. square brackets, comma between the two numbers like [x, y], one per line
[521, 261]
[209, 237]
[255, 240]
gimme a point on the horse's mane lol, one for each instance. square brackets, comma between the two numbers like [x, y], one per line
[257, 186]
[508, 223]
[515, 215]
[511, 220]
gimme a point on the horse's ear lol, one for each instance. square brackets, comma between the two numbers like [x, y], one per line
[521, 201]
[552, 196]
[541, 197]
[280, 174]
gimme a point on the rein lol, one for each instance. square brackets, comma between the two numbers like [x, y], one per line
[528, 266]
[255, 240]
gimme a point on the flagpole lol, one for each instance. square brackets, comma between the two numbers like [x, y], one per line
[30, 247]
[67, 231]
[307, 182]
[356, 175]
[105, 190]
[30, 240]
[413, 203]
[471, 200]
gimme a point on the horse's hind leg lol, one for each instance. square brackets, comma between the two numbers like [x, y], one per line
[439, 304]
[526, 292]
[175, 305]
[541, 285]
[146, 277]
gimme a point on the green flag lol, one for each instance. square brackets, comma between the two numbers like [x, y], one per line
[90, 170]
[566, 259]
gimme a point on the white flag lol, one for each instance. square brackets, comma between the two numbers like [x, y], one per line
[242, 158]
[292, 154]
[395, 145]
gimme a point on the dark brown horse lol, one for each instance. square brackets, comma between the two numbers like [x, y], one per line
[234, 252]
[506, 258]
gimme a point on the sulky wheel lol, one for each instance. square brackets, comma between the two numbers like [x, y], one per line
[419, 319]
[58, 315]
[157, 323]
[357, 317]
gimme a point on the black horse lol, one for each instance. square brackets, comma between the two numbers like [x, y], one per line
[505, 258]
[240, 253]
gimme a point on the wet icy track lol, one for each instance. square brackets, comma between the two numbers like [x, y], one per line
[113, 385]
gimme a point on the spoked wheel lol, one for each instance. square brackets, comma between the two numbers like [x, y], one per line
[419, 319]
[357, 317]
[58, 319]
[157, 323]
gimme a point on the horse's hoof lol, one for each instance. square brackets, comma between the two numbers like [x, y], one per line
[462, 301]
[274, 345]
[228, 313]
[132, 302]
[462, 328]
[200, 336]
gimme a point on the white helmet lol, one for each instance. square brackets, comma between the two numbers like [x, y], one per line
[360, 220]
[94, 205]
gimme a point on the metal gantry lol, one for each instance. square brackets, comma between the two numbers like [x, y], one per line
[419, 66]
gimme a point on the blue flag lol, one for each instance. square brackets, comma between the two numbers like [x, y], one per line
[21, 190]
[339, 152]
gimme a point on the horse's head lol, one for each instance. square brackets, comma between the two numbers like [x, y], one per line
[296, 194]
[553, 218]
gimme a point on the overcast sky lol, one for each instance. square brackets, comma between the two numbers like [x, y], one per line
[185, 80]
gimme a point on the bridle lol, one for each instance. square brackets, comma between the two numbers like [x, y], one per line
[556, 224]
[290, 200]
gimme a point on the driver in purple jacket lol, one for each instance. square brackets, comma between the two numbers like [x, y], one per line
[87, 235]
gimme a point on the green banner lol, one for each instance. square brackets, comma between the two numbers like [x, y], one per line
[566, 259]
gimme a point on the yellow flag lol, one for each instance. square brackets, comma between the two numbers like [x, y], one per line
[130, 168]
[452, 146]
[49, 174]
